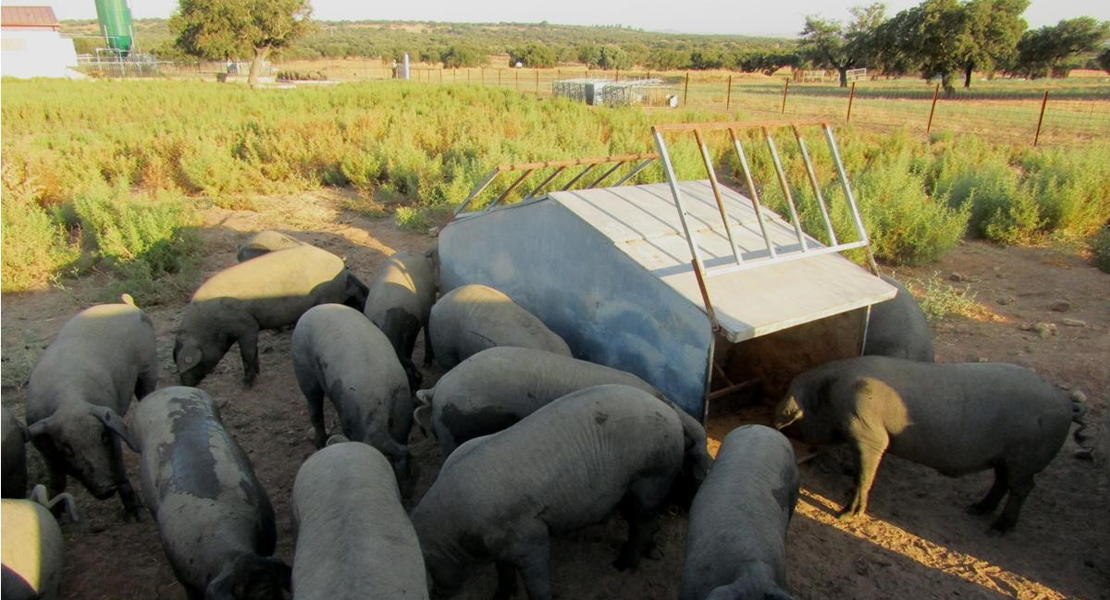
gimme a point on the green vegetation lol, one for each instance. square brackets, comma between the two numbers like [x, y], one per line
[108, 172]
[1100, 249]
[938, 299]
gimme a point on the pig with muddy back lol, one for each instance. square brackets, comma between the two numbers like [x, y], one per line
[214, 518]
[339, 354]
[267, 292]
[495, 388]
[955, 418]
[736, 543]
[79, 391]
[499, 497]
[399, 302]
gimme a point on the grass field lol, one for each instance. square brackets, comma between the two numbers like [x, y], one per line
[108, 172]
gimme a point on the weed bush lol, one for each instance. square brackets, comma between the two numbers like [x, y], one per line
[141, 238]
[940, 299]
[426, 146]
[1100, 249]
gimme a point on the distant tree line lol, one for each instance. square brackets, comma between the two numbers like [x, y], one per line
[942, 39]
[945, 39]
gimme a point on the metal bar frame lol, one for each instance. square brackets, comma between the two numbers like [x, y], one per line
[512, 187]
[752, 190]
[815, 184]
[560, 166]
[785, 189]
[805, 249]
[708, 160]
[607, 173]
[544, 183]
[578, 176]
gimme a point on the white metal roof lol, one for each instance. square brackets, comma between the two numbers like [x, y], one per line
[643, 223]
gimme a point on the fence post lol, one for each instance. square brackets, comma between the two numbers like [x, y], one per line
[728, 96]
[537, 82]
[686, 90]
[785, 91]
[929, 125]
[1040, 119]
[499, 77]
[618, 77]
[468, 74]
[851, 96]
[517, 71]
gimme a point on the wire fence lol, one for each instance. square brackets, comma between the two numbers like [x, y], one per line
[1015, 112]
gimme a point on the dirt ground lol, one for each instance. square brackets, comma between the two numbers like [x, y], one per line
[917, 541]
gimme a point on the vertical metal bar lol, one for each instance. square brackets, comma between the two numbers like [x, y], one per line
[1040, 119]
[672, 180]
[699, 273]
[512, 187]
[785, 189]
[478, 190]
[686, 90]
[816, 186]
[634, 172]
[545, 182]
[607, 173]
[851, 97]
[785, 89]
[578, 176]
[708, 160]
[932, 109]
[849, 197]
[752, 190]
[728, 96]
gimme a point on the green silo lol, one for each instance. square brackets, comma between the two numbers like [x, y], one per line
[115, 24]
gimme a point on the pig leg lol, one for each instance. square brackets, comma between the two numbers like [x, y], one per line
[57, 484]
[247, 336]
[1020, 486]
[146, 383]
[638, 508]
[529, 551]
[994, 496]
[131, 503]
[428, 354]
[869, 448]
[314, 396]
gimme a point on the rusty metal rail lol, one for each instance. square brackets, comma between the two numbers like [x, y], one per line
[526, 170]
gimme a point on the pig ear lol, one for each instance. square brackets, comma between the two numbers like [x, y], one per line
[38, 428]
[115, 424]
[187, 357]
[423, 415]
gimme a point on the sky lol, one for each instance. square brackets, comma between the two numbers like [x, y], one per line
[744, 17]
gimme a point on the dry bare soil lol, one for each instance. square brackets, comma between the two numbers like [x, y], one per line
[917, 541]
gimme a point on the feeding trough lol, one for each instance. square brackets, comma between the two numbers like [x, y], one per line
[677, 281]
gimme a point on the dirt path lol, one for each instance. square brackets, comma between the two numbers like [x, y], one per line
[917, 541]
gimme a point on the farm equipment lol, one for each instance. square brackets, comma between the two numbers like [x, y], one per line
[691, 285]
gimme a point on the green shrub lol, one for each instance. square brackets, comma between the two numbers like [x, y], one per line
[34, 245]
[905, 225]
[940, 299]
[1100, 249]
[142, 239]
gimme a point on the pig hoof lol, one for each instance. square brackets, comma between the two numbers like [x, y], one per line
[1001, 526]
[978, 509]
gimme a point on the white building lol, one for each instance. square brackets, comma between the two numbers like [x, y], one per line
[31, 45]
